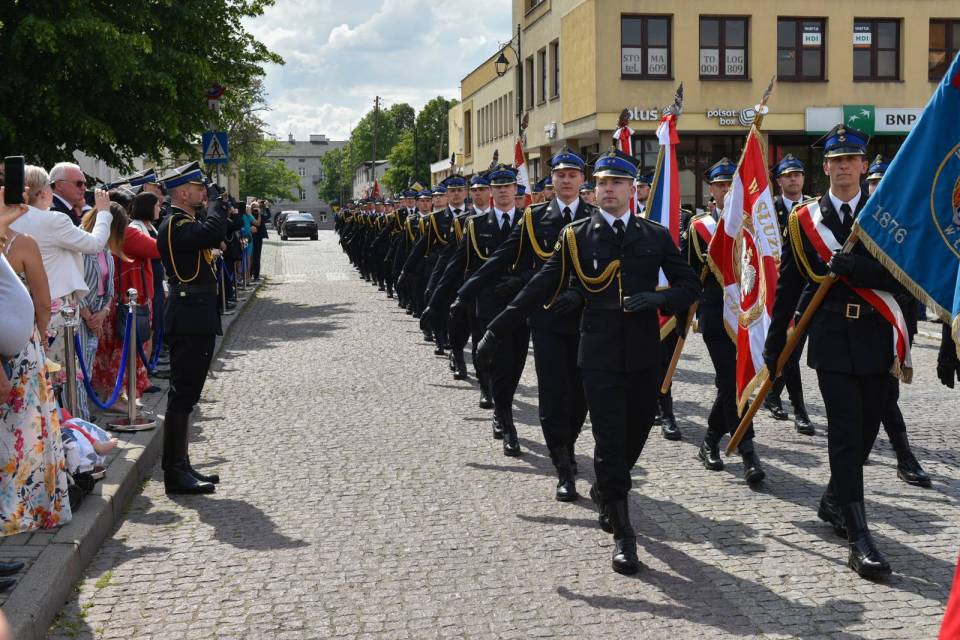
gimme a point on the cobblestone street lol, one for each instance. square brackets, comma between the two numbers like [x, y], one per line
[363, 496]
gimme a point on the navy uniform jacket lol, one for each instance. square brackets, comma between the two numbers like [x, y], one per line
[432, 240]
[457, 227]
[481, 238]
[519, 257]
[185, 243]
[836, 343]
[610, 338]
[710, 309]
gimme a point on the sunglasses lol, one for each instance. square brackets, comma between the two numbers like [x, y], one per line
[80, 184]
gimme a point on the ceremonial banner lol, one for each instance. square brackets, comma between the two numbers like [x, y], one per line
[911, 223]
[744, 254]
[523, 178]
[663, 203]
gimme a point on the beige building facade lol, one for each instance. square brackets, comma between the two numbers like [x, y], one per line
[871, 64]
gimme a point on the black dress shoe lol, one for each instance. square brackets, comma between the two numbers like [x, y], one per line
[566, 487]
[864, 557]
[669, 428]
[10, 568]
[511, 444]
[213, 478]
[485, 401]
[752, 471]
[775, 407]
[802, 423]
[177, 480]
[830, 513]
[624, 559]
[439, 351]
[910, 471]
[6, 583]
[709, 455]
[460, 367]
[497, 428]
[450, 364]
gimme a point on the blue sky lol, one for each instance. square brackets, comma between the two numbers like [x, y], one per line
[341, 53]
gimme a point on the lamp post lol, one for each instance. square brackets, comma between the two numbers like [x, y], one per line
[502, 64]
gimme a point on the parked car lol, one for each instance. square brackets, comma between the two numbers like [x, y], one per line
[298, 225]
[278, 218]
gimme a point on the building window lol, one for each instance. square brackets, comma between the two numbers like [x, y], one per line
[555, 66]
[800, 48]
[944, 43]
[302, 171]
[303, 194]
[645, 46]
[723, 48]
[467, 133]
[876, 50]
[509, 115]
[529, 87]
[542, 63]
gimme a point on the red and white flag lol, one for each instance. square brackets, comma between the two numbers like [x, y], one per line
[744, 254]
[664, 198]
[523, 178]
[623, 142]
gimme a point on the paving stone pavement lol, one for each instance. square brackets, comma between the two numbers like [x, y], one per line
[363, 496]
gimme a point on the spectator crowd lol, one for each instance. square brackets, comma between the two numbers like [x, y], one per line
[68, 246]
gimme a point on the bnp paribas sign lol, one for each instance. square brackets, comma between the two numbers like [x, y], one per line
[865, 117]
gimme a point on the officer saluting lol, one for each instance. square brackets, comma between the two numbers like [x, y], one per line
[192, 322]
[613, 259]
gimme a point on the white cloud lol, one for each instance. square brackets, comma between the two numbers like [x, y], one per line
[339, 55]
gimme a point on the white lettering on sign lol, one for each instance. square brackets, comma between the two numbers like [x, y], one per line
[862, 36]
[631, 60]
[733, 117]
[644, 115]
[709, 62]
[657, 62]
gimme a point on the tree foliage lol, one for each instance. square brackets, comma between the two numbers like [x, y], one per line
[262, 176]
[118, 80]
[420, 146]
[336, 181]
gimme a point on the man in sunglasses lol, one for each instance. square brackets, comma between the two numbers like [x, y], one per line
[69, 185]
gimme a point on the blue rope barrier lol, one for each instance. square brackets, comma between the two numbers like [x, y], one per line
[123, 367]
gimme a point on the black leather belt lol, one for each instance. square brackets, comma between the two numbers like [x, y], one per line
[850, 310]
[193, 288]
[603, 306]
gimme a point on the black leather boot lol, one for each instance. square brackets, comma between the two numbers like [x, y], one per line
[459, 365]
[603, 518]
[485, 401]
[668, 424]
[800, 418]
[864, 557]
[775, 407]
[566, 485]
[752, 471]
[177, 478]
[497, 426]
[511, 443]
[908, 469]
[709, 455]
[830, 513]
[213, 478]
[624, 558]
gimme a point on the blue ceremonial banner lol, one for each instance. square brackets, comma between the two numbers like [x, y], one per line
[911, 223]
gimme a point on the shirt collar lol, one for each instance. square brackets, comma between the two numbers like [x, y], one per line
[65, 203]
[573, 206]
[499, 214]
[610, 218]
[837, 203]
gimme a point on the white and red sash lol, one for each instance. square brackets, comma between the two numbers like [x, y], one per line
[825, 244]
[705, 226]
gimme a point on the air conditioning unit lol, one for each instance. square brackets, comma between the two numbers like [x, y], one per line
[550, 130]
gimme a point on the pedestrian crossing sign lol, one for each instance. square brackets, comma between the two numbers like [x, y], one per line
[215, 149]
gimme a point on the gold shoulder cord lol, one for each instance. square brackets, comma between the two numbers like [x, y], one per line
[173, 262]
[436, 230]
[799, 253]
[472, 231]
[592, 284]
[695, 242]
[563, 270]
[457, 230]
[409, 228]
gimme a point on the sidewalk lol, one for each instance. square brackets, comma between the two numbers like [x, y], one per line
[56, 559]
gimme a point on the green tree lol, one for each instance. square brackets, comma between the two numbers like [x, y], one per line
[361, 139]
[264, 177]
[401, 172]
[432, 130]
[335, 183]
[118, 80]
[403, 115]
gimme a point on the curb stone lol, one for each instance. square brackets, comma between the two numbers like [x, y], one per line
[64, 553]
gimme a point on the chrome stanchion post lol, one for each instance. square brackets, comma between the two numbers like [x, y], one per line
[132, 422]
[71, 320]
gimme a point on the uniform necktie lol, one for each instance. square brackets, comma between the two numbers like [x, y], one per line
[505, 223]
[456, 212]
[847, 221]
[567, 215]
[618, 229]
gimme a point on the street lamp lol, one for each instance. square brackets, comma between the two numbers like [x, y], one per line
[502, 64]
